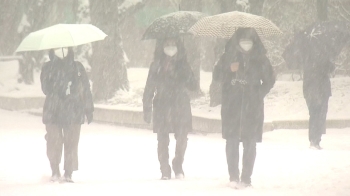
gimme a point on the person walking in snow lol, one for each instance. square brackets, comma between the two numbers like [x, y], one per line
[317, 90]
[68, 100]
[246, 76]
[166, 95]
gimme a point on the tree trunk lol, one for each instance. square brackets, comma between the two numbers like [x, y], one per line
[322, 10]
[228, 5]
[10, 16]
[256, 7]
[215, 87]
[36, 14]
[193, 44]
[109, 72]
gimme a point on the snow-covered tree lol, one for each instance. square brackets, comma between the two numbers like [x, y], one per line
[109, 60]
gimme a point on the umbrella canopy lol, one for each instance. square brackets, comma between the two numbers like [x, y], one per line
[172, 25]
[61, 35]
[321, 41]
[224, 25]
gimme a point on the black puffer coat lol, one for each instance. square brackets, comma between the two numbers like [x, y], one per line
[65, 105]
[166, 92]
[243, 92]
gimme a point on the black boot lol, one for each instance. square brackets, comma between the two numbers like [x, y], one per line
[177, 168]
[181, 145]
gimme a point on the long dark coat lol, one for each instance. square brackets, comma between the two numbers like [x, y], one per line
[316, 81]
[243, 92]
[166, 92]
[60, 107]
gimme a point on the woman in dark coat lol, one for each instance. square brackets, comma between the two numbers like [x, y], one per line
[246, 76]
[168, 80]
[68, 101]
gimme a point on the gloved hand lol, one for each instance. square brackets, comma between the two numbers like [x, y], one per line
[147, 117]
[89, 117]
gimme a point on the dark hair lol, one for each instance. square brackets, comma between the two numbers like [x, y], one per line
[231, 47]
[159, 49]
[52, 54]
[250, 33]
[70, 54]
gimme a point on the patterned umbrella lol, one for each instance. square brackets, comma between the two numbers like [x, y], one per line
[224, 25]
[172, 25]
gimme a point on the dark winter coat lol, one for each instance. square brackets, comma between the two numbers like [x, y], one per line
[63, 106]
[316, 82]
[243, 92]
[166, 92]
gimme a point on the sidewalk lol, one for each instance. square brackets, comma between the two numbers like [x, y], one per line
[133, 117]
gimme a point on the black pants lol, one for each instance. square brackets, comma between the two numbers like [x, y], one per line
[318, 109]
[57, 136]
[232, 155]
[163, 153]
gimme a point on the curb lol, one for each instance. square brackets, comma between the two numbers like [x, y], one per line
[133, 117]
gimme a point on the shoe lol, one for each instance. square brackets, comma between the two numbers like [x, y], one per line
[179, 173]
[233, 184]
[56, 175]
[165, 178]
[315, 146]
[55, 178]
[179, 176]
[68, 177]
[243, 185]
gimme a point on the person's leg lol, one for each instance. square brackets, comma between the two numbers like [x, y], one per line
[232, 156]
[71, 141]
[54, 143]
[321, 121]
[249, 154]
[313, 116]
[317, 124]
[181, 145]
[163, 155]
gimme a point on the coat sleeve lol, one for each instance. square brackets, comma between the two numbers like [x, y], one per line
[87, 95]
[268, 77]
[46, 83]
[217, 72]
[150, 89]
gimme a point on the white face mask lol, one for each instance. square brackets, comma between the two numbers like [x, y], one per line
[58, 52]
[170, 50]
[246, 45]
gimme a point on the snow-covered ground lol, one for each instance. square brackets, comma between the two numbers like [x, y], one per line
[123, 161]
[284, 102]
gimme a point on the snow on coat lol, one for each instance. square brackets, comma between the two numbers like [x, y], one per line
[67, 89]
[166, 92]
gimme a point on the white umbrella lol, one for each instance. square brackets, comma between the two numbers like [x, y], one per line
[61, 35]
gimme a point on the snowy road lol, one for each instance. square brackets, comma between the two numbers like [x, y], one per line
[122, 161]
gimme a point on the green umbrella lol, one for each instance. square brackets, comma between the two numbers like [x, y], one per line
[61, 35]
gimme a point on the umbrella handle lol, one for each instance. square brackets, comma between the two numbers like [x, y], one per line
[62, 52]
